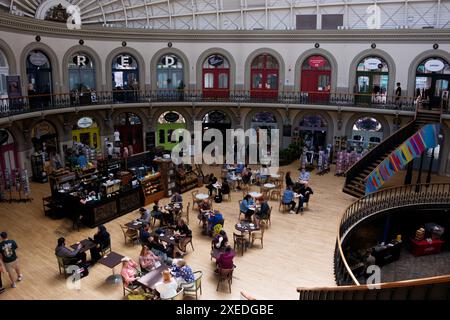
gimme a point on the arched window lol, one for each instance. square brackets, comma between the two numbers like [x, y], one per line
[366, 133]
[39, 74]
[169, 72]
[372, 77]
[432, 82]
[45, 138]
[315, 78]
[125, 72]
[168, 122]
[264, 76]
[81, 73]
[4, 72]
[216, 76]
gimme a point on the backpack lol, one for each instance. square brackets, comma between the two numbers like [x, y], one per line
[218, 199]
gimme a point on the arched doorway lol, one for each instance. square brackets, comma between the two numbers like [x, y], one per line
[316, 78]
[264, 77]
[87, 132]
[168, 122]
[39, 75]
[170, 73]
[367, 132]
[44, 138]
[264, 120]
[432, 82]
[129, 125]
[4, 72]
[8, 157]
[125, 78]
[216, 120]
[82, 81]
[372, 77]
[216, 77]
[312, 130]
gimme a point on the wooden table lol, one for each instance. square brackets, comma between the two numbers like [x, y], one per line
[255, 194]
[134, 225]
[244, 226]
[150, 279]
[111, 260]
[168, 237]
[86, 245]
[201, 196]
[215, 253]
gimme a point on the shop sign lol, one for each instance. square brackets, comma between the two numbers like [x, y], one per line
[3, 137]
[38, 59]
[43, 128]
[125, 61]
[215, 60]
[85, 122]
[168, 61]
[171, 116]
[434, 65]
[372, 64]
[80, 60]
[317, 61]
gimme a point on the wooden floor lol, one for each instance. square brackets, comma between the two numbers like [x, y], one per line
[298, 249]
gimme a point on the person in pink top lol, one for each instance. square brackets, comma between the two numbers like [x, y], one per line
[129, 272]
[147, 259]
[225, 260]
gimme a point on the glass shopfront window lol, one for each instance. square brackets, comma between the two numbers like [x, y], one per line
[169, 73]
[372, 77]
[39, 75]
[432, 83]
[4, 72]
[125, 72]
[81, 73]
[264, 76]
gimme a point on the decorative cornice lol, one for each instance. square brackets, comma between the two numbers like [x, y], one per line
[9, 22]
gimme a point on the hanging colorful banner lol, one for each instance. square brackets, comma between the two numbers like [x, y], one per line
[425, 138]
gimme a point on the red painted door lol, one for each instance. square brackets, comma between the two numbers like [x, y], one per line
[131, 135]
[264, 78]
[317, 84]
[216, 83]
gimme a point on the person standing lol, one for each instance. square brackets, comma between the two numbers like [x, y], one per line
[9, 257]
[398, 95]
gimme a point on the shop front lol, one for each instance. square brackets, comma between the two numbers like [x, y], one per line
[125, 78]
[39, 75]
[372, 77]
[264, 77]
[82, 79]
[432, 83]
[168, 122]
[312, 130]
[216, 77]
[264, 120]
[367, 132]
[316, 79]
[129, 125]
[170, 74]
[216, 120]
[8, 156]
[87, 132]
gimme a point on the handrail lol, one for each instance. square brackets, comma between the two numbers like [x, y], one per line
[384, 285]
[383, 199]
[41, 102]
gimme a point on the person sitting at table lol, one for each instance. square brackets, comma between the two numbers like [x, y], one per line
[182, 273]
[214, 218]
[203, 208]
[304, 176]
[185, 235]
[166, 288]
[102, 240]
[69, 257]
[289, 182]
[130, 274]
[220, 241]
[210, 186]
[144, 234]
[147, 259]
[163, 252]
[225, 188]
[306, 192]
[262, 212]
[157, 214]
[240, 168]
[145, 215]
[176, 198]
[225, 259]
[246, 203]
[288, 198]
[246, 175]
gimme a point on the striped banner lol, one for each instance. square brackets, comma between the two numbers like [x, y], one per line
[425, 138]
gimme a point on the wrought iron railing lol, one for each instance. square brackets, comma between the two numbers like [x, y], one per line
[382, 200]
[18, 105]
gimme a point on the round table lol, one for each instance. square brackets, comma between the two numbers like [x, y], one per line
[201, 196]
[269, 185]
[246, 227]
[255, 194]
[275, 175]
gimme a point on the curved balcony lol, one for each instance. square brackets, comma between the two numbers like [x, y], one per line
[38, 103]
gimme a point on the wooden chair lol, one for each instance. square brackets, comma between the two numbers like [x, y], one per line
[186, 213]
[240, 212]
[225, 275]
[195, 286]
[129, 289]
[183, 246]
[130, 234]
[285, 206]
[178, 296]
[62, 267]
[195, 201]
[240, 241]
[105, 251]
[267, 221]
[259, 235]
[275, 194]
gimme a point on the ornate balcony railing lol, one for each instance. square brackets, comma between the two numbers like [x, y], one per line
[42, 102]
